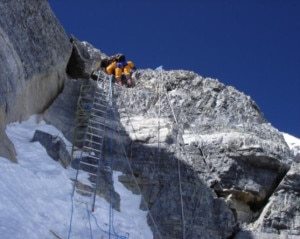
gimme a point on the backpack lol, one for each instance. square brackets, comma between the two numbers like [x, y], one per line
[107, 61]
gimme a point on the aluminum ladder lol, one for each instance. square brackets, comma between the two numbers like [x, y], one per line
[88, 141]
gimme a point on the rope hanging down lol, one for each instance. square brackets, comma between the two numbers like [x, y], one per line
[111, 114]
[159, 114]
[178, 162]
[93, 118]
[133, 176]
[216, 178]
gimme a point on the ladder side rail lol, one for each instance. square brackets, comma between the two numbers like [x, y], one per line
[99, 160]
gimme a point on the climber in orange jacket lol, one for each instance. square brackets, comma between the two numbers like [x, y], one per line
[120, 66]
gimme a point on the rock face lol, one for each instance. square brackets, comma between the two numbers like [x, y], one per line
[34, 54]
[281, 215]
[85, 59]
[221, 141]
[62, 112]
[206, 161]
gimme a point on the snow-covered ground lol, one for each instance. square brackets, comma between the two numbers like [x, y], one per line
[36, 201]
[293, 143]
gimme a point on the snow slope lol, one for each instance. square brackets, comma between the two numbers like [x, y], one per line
[35, 198]
[293, 143]
[36, 201]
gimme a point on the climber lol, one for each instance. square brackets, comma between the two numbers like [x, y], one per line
[118, 66]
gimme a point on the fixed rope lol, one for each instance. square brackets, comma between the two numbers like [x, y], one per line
[159, 112]
[159, 91]
[159, 236]
[139, 189]
[112, 231]
[178, 161]
[90, 124]
[186, 156]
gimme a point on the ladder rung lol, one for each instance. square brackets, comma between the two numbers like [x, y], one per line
[95, 128]
[100, 93]
[95, 109]
[96, 122]
[93, 174]
[92, 149]
[84, 191]
[100, 108]
[88, 164]
[100, 101]
[100, 105]
[93, 157]
[98, 118]
[94, 135]
[93, 142]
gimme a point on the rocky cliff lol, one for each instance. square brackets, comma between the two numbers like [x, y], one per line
[207, 162]
[34, 53]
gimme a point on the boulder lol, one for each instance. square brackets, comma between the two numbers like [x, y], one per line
[281, 215]
[54, 145]
[85, 59]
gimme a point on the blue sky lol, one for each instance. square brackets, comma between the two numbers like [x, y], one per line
[252, 45]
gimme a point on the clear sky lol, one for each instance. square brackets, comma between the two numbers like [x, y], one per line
[252, 45]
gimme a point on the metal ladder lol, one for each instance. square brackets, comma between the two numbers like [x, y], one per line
[88, 140]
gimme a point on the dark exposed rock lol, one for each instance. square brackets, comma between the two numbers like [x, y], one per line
[7, 148]
[85, 59]
[55, 146]
[282, 213]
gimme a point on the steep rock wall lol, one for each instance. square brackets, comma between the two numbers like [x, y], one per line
[214, 130]
[229, 158]
[207, 162]
[34, 54]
